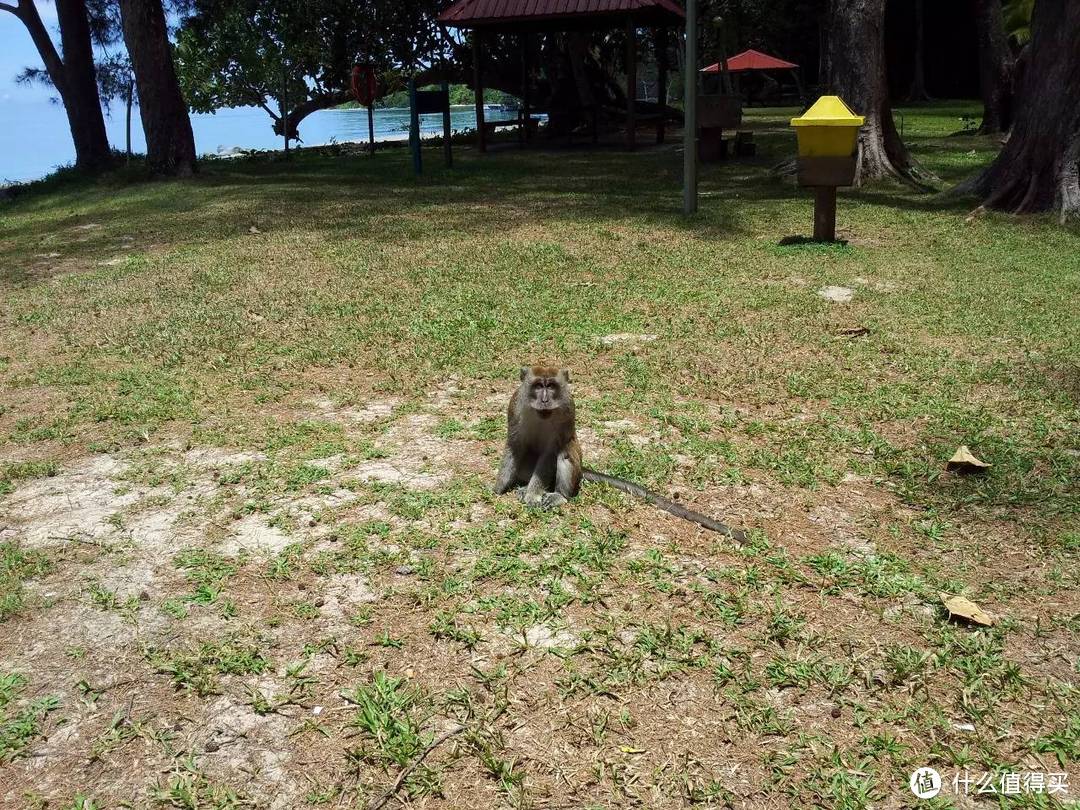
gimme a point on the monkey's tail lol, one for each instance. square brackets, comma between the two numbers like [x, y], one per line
[638, 491]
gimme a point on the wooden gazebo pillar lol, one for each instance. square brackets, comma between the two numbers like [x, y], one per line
[526, 71]
[631, 84]
[478, 84]
[661, 81]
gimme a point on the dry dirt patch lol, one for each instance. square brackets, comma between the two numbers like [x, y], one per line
[78, 504]
[109, 526]
[367, 412]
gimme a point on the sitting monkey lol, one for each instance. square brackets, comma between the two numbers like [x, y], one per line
[543, 458]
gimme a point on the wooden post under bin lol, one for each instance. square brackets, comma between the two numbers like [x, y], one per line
[825, 213]
[823, 175]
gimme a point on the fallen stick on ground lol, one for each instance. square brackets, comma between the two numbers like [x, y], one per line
[412, 766]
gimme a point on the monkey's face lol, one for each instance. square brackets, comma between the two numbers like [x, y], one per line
[547, 389]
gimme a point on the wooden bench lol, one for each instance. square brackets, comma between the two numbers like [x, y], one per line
[490, 127]
[713, 145]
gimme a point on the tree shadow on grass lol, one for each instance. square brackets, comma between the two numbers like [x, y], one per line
[344, 197]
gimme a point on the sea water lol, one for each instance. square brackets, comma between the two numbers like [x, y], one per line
[35, 139]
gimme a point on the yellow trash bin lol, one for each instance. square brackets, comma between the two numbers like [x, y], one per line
[828, 129]
[827, 134]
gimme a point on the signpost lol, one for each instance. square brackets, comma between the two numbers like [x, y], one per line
[422, 102]
[414, 129]
[448, 153]
[365, 87]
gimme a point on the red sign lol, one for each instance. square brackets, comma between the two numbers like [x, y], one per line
[364, 84]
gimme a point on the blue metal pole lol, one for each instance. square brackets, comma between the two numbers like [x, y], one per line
[414, 129]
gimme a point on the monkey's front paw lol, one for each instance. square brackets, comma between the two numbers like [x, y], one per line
[552, 500]
[521, 493]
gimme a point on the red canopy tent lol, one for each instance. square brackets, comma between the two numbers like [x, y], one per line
[756, 61]
[751, 60]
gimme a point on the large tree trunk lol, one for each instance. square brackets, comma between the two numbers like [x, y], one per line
[83, 104]
[129, 100]
[170, 146]
[918, 81]
[73, 76]
[1039, 167]
[577, 50]
[995, 67]
[855, 71]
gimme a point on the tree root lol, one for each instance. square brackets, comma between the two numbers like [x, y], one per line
[1004, 188]
[1068, 192]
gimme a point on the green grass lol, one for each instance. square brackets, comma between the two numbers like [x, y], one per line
[17, 565]
[20, 724]
[385, 713]
[198, 669]
[399, 273]
[189, 789]
[12, 473]
[599, 656]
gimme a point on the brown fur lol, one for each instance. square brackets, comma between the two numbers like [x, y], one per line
[543, 457]
[542, 450]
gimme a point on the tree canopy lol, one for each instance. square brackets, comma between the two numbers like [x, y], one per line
[242, 52]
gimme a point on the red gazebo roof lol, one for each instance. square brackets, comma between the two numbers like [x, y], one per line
[751, 60]
[473, 13]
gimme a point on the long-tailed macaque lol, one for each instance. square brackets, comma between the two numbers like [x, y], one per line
[543, 458]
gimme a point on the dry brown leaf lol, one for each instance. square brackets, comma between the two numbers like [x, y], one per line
[964, 461]
[966, 609]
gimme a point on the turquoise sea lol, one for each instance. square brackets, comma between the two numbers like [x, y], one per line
[34, 135]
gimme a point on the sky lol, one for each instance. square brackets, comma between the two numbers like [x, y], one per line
[17, 51]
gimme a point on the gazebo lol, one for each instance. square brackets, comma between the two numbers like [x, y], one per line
[525, 17]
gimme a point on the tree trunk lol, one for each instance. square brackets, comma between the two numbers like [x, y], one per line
[170, 146]
[300, 111]
[283, 108]
[1039, 168]
[855, 71]
[995, 67]
[577, 50]
[83, 104]
[73, 76]
[918, 82]
[127, 121]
